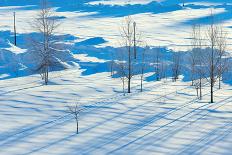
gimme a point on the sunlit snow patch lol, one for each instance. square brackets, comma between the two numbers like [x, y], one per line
[15, 49]
[86, 58]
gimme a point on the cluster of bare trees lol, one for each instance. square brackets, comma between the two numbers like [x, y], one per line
[208, 56]
[133, 59]
[207, 59]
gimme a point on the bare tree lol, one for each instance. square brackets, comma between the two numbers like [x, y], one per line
[44, 45]
[75, 110]
[122, 73]
[196, 59]
[212, 58]
[128, 35]
[200, 72]
[143, 67]
[135, 40]
[162, 66]
[158, 66]
[193, 53]
[111, 65]
[15, 39]
[212, 38]
[223, 60]
[176, 67]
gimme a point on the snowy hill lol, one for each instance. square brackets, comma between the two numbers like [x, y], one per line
[167, 117]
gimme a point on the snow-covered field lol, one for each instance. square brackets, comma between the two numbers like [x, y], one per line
[166, 118]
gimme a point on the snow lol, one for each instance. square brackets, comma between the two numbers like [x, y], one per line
[15, 49]
[166, 118]
[122, 2]
[161, 28]
[86, 58]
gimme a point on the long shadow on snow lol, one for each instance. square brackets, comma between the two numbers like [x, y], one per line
[89, 48]
[218, 17]
[102, 10]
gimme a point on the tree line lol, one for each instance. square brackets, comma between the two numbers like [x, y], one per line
[207, 59]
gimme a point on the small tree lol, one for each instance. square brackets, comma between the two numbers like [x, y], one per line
[176, 67]
[196, 60]
[111, 63]
[122, 73]
[158, 67]
[183, 3]
[75, 110]
[111, 66]
[162, 66]
[143, 67]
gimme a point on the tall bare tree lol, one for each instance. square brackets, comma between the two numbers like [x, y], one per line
[176, 66]
[44, 46]
[216, 45]
[128, 35]
[212, 33]
[193, 54]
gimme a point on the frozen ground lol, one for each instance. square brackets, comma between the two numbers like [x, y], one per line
[165, 119]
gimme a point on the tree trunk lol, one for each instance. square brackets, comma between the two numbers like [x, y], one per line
[200, 89]
[211, 91]
[141, 84]
[129, 76]
[77, 127]
[135, 55]
[212, 72]
[15, 40]
[129, 81]
[219, 82]
[46, 75]
[123, 85]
